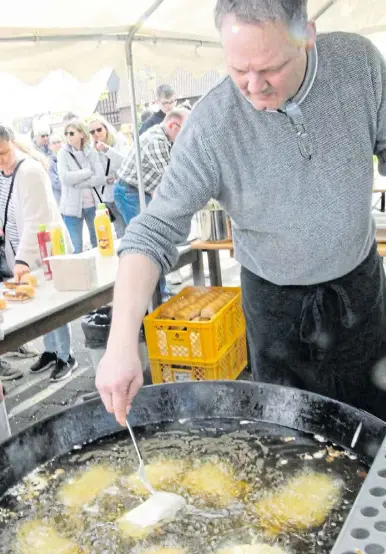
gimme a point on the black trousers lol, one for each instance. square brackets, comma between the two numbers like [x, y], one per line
[328, 338]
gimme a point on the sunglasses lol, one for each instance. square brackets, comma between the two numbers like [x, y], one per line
[98, 130]
[69, 133]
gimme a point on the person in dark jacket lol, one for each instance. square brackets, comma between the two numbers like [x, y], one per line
[166, 100]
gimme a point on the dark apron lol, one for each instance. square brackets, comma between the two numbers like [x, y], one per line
[328, 338]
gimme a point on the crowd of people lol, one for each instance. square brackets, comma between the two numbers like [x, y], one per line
[71, 173]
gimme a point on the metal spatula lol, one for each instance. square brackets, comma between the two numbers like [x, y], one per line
[141, 469]
[159, 507]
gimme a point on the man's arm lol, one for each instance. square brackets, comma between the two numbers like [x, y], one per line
[147, 249]
[159, 155]
[378, 65]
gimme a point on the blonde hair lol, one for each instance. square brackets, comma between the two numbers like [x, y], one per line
[7, 134]
[81, 127]
[111, 134]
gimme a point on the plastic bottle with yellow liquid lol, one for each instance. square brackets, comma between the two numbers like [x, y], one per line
[104, 232]
[57, 242]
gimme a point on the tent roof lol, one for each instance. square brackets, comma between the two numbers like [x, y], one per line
[66, 24]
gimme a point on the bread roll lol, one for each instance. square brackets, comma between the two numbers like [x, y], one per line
[170, 310]
[190, 312]
[29, 279]
[211, 309]
[20, 294]
[11, 285]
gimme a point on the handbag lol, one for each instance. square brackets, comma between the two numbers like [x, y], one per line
[111, 215]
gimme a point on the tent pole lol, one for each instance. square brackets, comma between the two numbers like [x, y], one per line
[134, 119]
[323, 9]
[134, 115]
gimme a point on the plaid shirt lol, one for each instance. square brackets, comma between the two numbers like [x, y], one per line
[155, 157]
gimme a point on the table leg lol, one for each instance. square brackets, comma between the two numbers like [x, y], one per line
[198, 270]
[214, 268]
[383, 202]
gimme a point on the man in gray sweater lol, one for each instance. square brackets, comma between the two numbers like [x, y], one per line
[286, 144]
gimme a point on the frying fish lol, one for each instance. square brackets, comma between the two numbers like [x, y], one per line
[303, 503]
[215, 483]
[37, 537]
[87, 486]
[161, 475]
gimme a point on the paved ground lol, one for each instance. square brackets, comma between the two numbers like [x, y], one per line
[34, 397]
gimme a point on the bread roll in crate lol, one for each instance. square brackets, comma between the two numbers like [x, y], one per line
[197, 325]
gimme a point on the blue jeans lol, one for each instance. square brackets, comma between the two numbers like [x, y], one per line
[59, 341]
[75, 228]
[126, 199]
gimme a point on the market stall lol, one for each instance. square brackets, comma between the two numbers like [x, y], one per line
[50, 309]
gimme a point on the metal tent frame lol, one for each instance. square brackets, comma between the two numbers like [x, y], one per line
[129, 38]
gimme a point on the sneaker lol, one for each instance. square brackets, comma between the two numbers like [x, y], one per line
[7, 373]
[24, 353]
[63, 370]
[45, 361]
[72, 362]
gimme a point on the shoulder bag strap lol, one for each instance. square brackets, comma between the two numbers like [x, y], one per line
[9, 199]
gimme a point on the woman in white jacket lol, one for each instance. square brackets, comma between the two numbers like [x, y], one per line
[82, 177]
[26, 201]
[112, 148]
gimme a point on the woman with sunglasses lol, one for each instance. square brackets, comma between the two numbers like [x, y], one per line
[112, 148]
[82, 178]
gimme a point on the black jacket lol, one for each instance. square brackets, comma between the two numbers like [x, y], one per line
[154, 119]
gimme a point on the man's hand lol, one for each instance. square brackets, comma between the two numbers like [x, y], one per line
[119, 378]
[19, 270]
[102, 147]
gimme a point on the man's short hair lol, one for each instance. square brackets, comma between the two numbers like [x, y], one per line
[291, 12]
[178, 114]
[165, 92]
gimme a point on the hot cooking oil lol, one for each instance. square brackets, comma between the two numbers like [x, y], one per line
[223, 473]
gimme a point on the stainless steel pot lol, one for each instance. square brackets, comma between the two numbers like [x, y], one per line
[213, 224]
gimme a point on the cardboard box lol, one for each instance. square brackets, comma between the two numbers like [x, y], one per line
[73, 272]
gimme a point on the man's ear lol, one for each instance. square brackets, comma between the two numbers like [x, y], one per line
[310, 35]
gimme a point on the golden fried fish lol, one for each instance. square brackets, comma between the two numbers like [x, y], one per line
[160, 474]
[37, 537]
[84, 488]
[303, 503]
[215, 483]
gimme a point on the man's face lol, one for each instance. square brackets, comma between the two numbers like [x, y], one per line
[167, 104]
[55, 145]
[265, 62]
[42, 140]
[174, 128]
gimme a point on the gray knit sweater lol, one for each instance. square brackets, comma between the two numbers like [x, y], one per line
[297, 220]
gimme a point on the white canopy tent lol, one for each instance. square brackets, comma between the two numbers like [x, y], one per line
[82, 36]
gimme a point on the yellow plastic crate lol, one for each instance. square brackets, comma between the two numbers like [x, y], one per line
[195, 341]
[228, 367]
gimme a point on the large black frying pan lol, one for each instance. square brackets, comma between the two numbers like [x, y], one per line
[283, 406]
